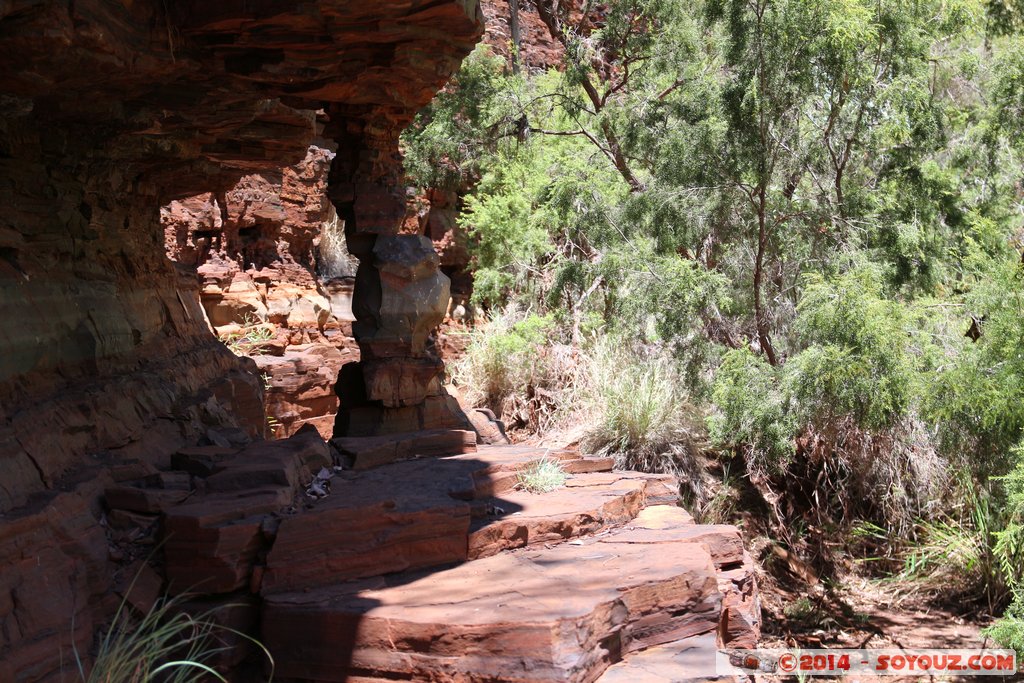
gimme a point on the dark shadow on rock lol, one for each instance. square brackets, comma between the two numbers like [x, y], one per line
[388, 526]
[359, 416]
[250, 533]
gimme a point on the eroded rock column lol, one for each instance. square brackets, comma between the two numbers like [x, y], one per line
[400, 293]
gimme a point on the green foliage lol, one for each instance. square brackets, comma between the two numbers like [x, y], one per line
[854, 363]
[855, 360]
[1009, 547]
[165, 644]
[446, 144]
[839, 410]
[1008, 91]
[752, 411]
[1009, 630]
[542, 476]
[516, 367]
[977, 399]
[956, 550]
[636, 400]
[498, 361]
[248, 341]
[786, 214]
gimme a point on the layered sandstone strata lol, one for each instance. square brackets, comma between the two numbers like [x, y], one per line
[276, 282]
[257, 248]
[445, 569]
[109, 110]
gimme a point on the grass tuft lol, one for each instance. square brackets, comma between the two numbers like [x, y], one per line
[640, 415]
[166, 644]
[541, 476]
[249, 341]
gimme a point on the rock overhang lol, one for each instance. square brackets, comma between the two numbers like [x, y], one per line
[189, 95]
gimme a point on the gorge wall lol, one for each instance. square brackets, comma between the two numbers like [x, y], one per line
[110, 110]
[276, 279]
[276, 282]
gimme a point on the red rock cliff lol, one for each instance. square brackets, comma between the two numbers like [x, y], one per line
[110, 109]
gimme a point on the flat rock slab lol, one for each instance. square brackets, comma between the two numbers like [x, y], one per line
[585, 505]
[564, 613]
[374, 451]
[211, 543]
[504, 463]
[213, 537]
[379, 521]
[426, 513]
[722, 541]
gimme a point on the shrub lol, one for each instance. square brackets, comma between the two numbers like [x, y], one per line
[1009, 547]
[519, 370]
[836, 425]
[752, 412]
[249, 339]
[955, 550]
[1009, 630]
[855, 361]
[976, 398]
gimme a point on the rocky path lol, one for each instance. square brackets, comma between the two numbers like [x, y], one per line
[443, 569]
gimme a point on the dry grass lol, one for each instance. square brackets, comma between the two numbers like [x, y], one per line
[640, 414]
[166, 644]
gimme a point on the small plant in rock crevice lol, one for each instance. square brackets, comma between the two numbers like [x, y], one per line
[542, 476]
[247, 341]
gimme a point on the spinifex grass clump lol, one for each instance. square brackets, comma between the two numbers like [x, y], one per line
[516, 367]
[166, 644]
[541, 476]
[641, 415]
[248, 341]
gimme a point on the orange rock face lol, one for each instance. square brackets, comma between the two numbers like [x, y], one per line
[256, 246]
[442, 568]
[109, 111]
[272, 262]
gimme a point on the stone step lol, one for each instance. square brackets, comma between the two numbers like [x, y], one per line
[563, 613]
[585, 505]
[504, 464]
[373, 451]
[432, 512]
[213, 538]
[443, 569]
[412, 514]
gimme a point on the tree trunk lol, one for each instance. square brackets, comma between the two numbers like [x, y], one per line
[760, 317]
[513, 26]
